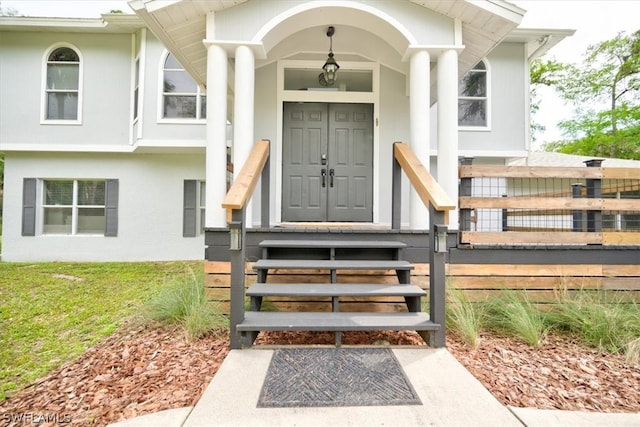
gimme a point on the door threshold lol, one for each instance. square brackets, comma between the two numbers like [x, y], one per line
[340, 225]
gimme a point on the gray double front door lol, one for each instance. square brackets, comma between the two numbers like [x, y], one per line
[327, 162]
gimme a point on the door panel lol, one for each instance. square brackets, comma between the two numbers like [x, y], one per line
[304, 140]
[340, 188]
[351, 158]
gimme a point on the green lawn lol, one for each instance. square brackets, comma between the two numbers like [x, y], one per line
[52, 312]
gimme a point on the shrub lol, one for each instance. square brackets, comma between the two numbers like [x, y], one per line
[183, 302]
[512, 312]
[600, 318]
[464, 317]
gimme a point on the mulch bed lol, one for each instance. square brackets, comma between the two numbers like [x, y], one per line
[142, 370]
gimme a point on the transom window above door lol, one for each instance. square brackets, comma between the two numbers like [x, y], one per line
[347, 81]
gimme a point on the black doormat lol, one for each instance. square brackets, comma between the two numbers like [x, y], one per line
[335, 377]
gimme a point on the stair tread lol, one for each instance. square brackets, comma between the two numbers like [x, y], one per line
[335, 321]
[332, 264]
[378, 244]
[330, 290]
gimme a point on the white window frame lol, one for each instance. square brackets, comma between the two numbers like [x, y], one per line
[486, 98]
[44, 91]
[200, 92]
[75, 207]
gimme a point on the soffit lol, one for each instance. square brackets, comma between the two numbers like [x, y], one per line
[109, 23]
[181, 26]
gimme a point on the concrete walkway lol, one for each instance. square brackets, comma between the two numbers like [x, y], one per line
[450, 396]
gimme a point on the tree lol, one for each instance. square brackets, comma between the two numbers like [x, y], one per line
[542, 73]
[605, 90]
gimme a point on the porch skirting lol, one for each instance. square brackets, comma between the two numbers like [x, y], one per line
[479, 281]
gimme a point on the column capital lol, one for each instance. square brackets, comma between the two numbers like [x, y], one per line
[434, 51]
[231, 46]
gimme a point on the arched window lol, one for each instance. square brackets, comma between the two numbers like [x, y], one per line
[182, 98]
[62, 91]
[473, 98]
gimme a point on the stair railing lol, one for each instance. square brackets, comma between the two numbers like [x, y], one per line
[235, 201]
[439, 204]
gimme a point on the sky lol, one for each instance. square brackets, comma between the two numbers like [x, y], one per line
[593, 20]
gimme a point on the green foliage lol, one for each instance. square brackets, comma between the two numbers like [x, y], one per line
[600, 318]
[53, 312]
[605, 89]
[464, 317]
[183, 302]
[513, 313]
[542, 73]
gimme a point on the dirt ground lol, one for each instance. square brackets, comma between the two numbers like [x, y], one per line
[141, 370]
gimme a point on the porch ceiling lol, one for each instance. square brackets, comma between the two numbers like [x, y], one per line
[181, 26]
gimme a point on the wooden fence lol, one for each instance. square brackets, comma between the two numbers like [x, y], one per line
[502, 205]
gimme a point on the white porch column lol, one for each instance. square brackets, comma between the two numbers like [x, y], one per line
[419, 128]
[243, 112]
[216, 155]
[448, 128]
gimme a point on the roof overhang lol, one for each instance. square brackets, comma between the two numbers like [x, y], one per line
[538, 40]
[108, 23]
[181, 26]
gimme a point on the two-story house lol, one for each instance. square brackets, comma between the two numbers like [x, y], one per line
[119, 133]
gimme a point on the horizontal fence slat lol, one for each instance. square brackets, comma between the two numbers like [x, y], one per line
[483, 171]
[531, 237]
[560, 270]
[526, 282]
[621, 270]
[621, 238]
[531, 202]
[620, 173]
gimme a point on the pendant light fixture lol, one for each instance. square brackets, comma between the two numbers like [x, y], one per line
[330, 68]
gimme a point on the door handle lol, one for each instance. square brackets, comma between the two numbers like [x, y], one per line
[331, 174]
[323, 172]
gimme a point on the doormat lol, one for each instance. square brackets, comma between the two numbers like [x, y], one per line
[335, 377]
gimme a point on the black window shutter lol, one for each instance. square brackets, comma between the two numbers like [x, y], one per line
[111, 208]
[189, 217]
[29, 207]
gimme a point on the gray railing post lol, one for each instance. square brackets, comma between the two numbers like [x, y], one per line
[237, 238]
[437, 278]
[396, 192]
[594, 191]
[576, 215]
[465, 191]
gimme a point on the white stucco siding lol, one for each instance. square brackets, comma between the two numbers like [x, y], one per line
[507, 65]
[105, 91]
[150, 207]
[154, 127]
[421, 25]
[266, 124]
[394, 126]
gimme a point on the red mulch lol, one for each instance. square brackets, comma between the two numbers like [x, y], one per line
[143, 370]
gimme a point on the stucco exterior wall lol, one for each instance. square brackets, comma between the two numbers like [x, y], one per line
[154, 127]
[242, 22]
[508, 70]
[106, 63]
[150, 207]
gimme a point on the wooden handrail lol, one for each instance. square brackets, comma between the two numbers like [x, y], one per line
[243, 185]
[426, 186]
